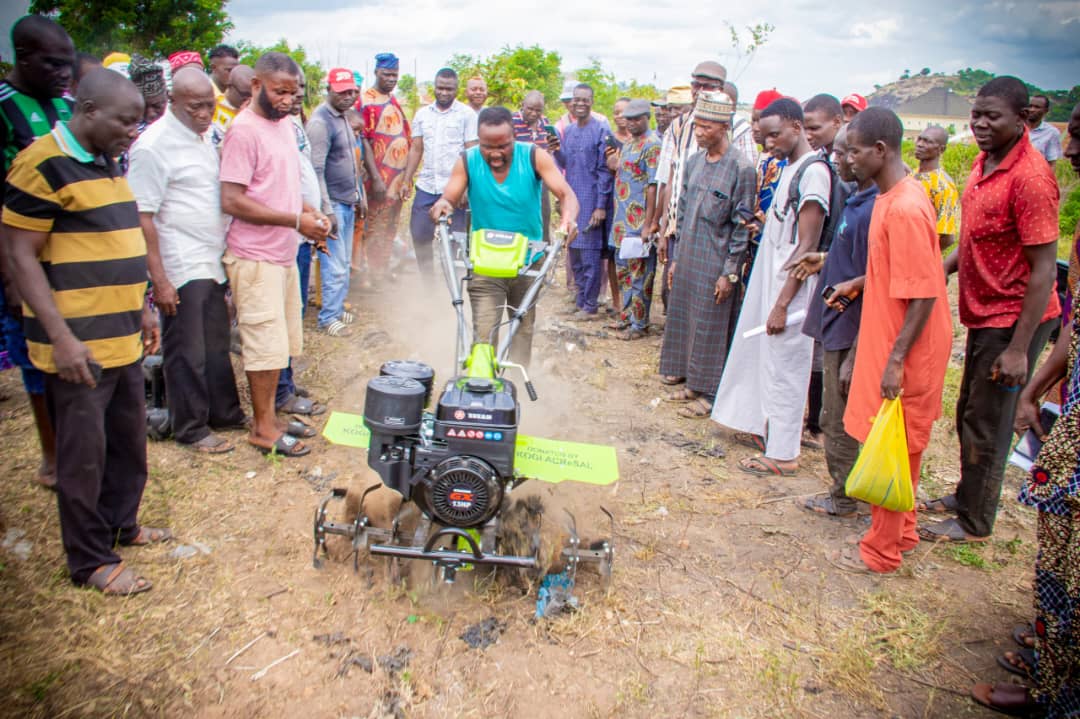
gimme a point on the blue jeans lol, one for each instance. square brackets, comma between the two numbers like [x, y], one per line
[335, 266]
[285, 386]
[303, 265]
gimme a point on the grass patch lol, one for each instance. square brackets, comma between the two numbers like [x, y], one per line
[889, 629]
[951, 392]
[988, 556]
[778, 681]
[970, 555]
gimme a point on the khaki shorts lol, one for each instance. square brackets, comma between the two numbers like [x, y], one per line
[267, 299]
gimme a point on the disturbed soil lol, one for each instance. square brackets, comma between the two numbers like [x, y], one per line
[723, 601]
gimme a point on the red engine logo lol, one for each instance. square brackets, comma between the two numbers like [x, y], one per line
[459, 414]
[461, 499]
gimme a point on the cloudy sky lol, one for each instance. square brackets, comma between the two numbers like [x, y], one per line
[818, 46]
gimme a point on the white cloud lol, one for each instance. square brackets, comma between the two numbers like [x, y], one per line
[816, 47]
[874, 34]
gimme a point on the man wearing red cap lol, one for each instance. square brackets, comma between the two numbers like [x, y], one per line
[852, 105]
[183, 58]
[768, 169]
[333, 155]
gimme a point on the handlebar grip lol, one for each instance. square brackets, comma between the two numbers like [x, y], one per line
[531, 390]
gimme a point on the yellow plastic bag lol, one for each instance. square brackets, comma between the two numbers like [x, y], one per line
[882, 475]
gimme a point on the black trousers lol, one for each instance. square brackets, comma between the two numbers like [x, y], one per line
[841, 449]
[199, 379]
[100, 464]
[984, 420]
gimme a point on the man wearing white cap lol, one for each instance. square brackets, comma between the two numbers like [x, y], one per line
[719, 189]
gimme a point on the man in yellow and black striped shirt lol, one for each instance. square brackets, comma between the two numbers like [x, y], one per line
[79, 260]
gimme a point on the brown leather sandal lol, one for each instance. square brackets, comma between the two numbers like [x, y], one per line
[116, 580]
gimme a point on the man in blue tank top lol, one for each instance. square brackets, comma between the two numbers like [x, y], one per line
[504, 180]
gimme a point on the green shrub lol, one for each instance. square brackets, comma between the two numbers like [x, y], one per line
[957, 161]
[1070, 213]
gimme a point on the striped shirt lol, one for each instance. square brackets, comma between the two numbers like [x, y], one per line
[95, 254]
[23, 119]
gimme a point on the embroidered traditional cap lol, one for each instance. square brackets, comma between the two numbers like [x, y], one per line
[711, 70]
[184, 57]
[386, 61]
[680, 95]
[636, 108]
[341, 79]
[855, 100]
[766, 97]
[714, 107]
[148, 76]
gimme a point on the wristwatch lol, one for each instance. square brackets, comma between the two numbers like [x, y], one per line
[733, 278]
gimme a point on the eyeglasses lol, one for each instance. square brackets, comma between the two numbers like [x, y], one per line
[706, 85]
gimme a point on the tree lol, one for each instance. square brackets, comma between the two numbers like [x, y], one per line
[744, 48]
[155, 28]
[512, 72]
[314, 74]
[605, 88]
[925, 72]
[409, 93]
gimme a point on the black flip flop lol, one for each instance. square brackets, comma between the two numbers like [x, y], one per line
[948, 531]
[1020, 630]
[302, 406]
[1026, 656]
[285, 446]
[940, 505]
[298, 429]
[825, 506]
[983, 694]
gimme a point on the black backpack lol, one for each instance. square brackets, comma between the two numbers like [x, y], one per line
[839, 191]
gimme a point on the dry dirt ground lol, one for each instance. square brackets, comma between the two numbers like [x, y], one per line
[723, 601]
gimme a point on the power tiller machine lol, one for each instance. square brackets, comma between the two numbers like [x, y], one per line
[455, 464]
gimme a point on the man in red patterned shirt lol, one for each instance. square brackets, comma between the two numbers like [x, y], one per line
[388, 132]
[1006, 260]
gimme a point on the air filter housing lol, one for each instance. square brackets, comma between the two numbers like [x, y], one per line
[393, 405]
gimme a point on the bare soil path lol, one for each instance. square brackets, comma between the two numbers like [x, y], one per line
[723, 602]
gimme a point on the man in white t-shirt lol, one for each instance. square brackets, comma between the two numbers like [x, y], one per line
[174, 176]
[763, 390]
[440, 133]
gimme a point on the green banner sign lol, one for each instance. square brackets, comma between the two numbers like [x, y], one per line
[550, 460]
[347, 429]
